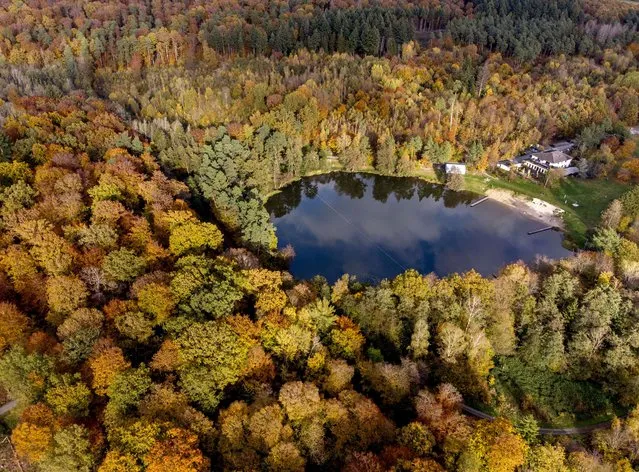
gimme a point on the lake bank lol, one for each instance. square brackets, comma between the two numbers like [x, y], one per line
[376, 227]
[582, 200]
[591, 196]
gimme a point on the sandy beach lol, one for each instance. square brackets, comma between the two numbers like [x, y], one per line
[535, 208]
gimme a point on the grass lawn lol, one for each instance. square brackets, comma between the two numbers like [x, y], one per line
[592, 196]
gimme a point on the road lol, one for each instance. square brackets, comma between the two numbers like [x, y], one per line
[7, 407]
[466, 409]
[545, 431]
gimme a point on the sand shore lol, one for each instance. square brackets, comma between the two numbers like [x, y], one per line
[535, 208]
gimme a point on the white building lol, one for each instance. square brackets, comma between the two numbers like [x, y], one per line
[542, 162]
[454, 168]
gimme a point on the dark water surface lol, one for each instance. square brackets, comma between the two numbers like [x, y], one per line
[376, 227]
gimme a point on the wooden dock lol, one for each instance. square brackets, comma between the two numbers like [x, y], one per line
[547, 228]
[482, 200]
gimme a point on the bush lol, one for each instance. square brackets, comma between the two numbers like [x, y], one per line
[455, 182]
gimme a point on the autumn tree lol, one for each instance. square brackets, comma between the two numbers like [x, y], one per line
[494, 446]
[33, 437]
[105, 366]
[211, 357]
[14, 326]
[70, 450]
[68, 395]
[300, 400]
[178, 451]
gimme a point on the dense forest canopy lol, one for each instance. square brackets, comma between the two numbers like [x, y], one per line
[157, 342]
[121, 34]
[147, 320]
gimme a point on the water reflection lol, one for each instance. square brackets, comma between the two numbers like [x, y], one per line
[376, 227]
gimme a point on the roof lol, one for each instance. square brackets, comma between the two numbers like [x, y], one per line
[553, 157]
[571, 171]
[522, 158]
[563, 146]
[455, 164]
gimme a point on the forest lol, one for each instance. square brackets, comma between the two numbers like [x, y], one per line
[147, 318]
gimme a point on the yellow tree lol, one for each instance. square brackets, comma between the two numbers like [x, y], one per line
[194, 236]
[266, 284]
[65, 294]
[14, 326]
[177, 452]
[33, 437]
[105, 365]
[115, 461]
[494, 446]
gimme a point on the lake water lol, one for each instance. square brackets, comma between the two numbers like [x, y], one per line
[376, 227]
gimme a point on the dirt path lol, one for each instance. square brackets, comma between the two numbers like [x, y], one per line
[545, 431]
[7, 407]
[535, 208]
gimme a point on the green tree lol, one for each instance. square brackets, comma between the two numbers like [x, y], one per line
[212, 357]
[5, 148]
[128, 388]
[370, 40]
[387, 155]
[68, 395]
[25, 376]
[123, 265]
[528, 428]
[205, 288]
[607, 240]
[474, 153]
[222, 179]
[71, 450]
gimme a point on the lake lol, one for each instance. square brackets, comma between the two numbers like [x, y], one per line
[376, 227]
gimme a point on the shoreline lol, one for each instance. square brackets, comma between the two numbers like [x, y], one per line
[535, 208]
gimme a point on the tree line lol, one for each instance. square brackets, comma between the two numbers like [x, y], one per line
[142, 34]
[528, 29]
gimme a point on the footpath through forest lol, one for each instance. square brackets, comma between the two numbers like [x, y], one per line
[466, 409]
[7, 407]
[545, 431]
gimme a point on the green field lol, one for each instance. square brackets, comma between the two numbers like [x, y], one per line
[592, 196]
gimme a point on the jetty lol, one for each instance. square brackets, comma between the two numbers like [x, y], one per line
[547, 228]
[482, 200]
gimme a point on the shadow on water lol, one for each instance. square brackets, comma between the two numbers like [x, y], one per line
[375, 227]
